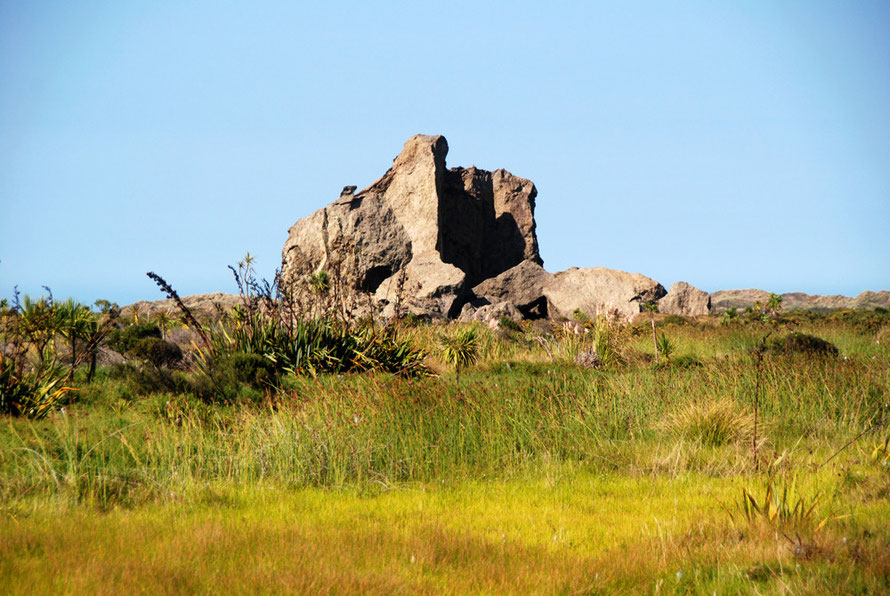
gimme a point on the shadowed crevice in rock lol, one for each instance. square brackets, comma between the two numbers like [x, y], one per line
[479, 234]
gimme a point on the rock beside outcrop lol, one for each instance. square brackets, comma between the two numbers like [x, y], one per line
[588, 359]
[801, 301]
[421, 229]
[872, 299]
[599, 290]
[685, 300]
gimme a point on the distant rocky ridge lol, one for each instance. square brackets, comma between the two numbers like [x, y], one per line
[203, 306]
[723, 300]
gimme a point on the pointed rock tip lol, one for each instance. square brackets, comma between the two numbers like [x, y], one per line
[436, 144]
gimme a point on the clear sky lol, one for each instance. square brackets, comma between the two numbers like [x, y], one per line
[727, 144]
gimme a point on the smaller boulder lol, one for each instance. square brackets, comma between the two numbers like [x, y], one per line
[522, 286]
[685, 300]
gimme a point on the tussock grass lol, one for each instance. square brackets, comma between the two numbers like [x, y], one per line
[716, 423]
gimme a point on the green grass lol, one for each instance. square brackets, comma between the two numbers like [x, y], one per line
[529, 475]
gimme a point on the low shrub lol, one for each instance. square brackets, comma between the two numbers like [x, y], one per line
[124, 340]
[801, 343]
[685, 361]
[252, 369]
[675, 320]
[157, 352]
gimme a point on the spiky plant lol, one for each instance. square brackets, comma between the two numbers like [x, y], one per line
[460, 349]
[781, 507]
[665, 346]
[34, 393]
[320, 282]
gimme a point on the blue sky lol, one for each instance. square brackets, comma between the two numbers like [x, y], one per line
[730, 145]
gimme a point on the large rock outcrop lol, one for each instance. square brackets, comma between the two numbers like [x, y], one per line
[420, 236]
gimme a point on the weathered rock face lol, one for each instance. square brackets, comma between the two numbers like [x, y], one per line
[685, 300]
[421, 235]
[599, 290]
[872, 299]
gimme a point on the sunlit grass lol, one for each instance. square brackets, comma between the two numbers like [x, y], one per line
[559, 532]
[528, 475]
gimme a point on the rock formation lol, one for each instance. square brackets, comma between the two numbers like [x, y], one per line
[685, 300]
[445, 242]
[203, 306]
[422, 235]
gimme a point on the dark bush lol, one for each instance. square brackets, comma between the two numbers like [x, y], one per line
[124, 340]
[675, 320]
[801, 343]
[157, 352]
[686, 361]
[253, 369]
[412, 320]
[132, 381]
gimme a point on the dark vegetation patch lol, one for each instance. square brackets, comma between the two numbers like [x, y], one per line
[801, 343]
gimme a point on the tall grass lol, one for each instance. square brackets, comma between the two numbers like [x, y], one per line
[335, 429]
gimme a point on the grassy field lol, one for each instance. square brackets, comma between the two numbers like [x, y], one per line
[527, 473]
